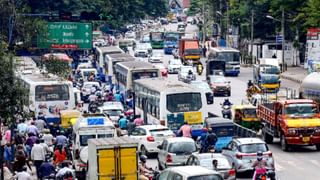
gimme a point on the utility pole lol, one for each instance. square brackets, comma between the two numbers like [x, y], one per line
[227, 25]
[252, 28]
[204, 24]
[283, 38]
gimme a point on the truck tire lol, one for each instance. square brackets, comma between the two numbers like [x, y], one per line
[284, 144]
[267, 137]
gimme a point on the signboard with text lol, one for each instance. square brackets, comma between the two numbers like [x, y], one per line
[66, 35]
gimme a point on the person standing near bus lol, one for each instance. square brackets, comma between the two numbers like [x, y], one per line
[185, 130]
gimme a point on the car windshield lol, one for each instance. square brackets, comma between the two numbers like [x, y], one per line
[206, 177]
[253, 148]
[216, 79]
[222, 163]
[160, 132]
[182, 147]
[301, 109]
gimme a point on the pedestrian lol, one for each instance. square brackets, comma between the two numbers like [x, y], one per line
[22, 126]
[47, 137]
[18, 137]
[44, 145]
[129, 101]
[20, 159]
[138, 121]
[41, 116]
[185, 130]
[118, 97]
[38, 155]
[202, 140]
[33, 129]
[211, 139]
[46, 169]
[30, 142]
[23, 175]
[118, 130]
[7, 173]
[204, 51]
[59, 155]
[40, 124]
[7, 136]
[7, 155]
[123, 121]
[61, 139]
[130, 126]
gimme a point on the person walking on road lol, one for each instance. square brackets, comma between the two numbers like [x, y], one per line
[138, 121]
[59, 155]
[185, 130]
[38, 155]
[123, 122]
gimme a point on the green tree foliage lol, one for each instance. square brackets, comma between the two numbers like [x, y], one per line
[12, 93]
[57, 67]
[310, 14]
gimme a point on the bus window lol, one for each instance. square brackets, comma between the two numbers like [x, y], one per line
[52, 93]
[184, 102]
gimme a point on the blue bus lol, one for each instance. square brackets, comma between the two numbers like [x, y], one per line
[171, 41]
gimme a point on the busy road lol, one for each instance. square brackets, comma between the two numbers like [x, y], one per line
[303, 163]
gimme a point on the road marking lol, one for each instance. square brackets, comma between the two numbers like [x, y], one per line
[315, 162]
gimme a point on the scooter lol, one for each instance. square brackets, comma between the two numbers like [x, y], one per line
[226, 111]
[265, 174]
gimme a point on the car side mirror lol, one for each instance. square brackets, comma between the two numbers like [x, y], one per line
[159, 146]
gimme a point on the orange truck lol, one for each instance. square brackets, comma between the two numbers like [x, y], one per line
[189, 49]
[294, 121]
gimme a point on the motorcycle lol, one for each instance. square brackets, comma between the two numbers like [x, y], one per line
[265, 174]
[93, 107]
[226, 111]
[153, 175]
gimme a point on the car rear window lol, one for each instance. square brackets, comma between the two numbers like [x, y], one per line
[160, 132]
[222, 163]
[182, 147]
[253, 148]
[206, 177]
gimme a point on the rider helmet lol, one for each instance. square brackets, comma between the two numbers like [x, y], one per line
[259, 155]
[143, 158]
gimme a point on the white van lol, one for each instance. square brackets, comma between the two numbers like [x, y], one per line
[113, 110]
[86, 72]
[85, 128]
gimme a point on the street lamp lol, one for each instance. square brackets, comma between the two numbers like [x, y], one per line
[282, 34]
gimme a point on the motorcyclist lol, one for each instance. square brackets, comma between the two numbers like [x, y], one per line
[249, 84]
[199, 68]
[259, 165]
[226, 102]
[143, 169]
[190, 73]
[65, 172]
[92, 107]
[46, 169]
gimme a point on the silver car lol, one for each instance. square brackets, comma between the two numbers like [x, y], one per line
[184, 74]
[174, 66]
[205, 160]
[242, 152]
[175, 151]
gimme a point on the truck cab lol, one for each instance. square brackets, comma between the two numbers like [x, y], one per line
[91, 127]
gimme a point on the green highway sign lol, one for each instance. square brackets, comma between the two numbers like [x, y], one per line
[66, 35]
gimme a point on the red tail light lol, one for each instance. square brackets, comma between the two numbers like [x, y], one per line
[239, 156]
[232, 172]
[263, 177]
[169, 158]
[150, 138]
[269, 154]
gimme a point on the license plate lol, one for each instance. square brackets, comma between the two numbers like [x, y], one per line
[306, 139]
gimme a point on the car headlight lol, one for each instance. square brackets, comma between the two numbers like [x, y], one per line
[291, 131]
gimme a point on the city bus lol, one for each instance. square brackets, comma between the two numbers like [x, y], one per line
[157, 38]
[112, 59]
[100, 56]
[127, 72]
[225, 59]
[171, 41]
[171, 103]
[47, 94]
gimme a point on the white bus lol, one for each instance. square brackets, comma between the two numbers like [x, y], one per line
[48, 95]
[127, 72]
[112, 59]
[171, 103]
[101, 53]
[230, 58]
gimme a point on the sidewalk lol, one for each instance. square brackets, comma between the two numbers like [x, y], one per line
[295, 74]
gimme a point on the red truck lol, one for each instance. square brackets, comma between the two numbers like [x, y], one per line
[189, 49]
[295, 122]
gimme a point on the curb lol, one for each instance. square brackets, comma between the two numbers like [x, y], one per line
[288, 77]
[246, 65]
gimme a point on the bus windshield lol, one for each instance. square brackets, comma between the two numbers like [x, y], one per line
[157, 36]
[184, 102]
[143, 75]
[171, 38]
[229, 56]
[52, 92]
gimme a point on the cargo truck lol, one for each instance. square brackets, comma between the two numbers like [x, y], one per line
[113, 159]
[294, 121]
[189, 49]
[310, 87]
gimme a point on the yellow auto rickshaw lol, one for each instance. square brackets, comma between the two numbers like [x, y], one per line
[69, 117]
[246, 116]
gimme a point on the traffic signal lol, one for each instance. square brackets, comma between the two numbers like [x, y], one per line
[63, 15]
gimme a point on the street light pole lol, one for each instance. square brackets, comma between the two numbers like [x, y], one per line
[251, 43]
[204, 24]
[283, 38]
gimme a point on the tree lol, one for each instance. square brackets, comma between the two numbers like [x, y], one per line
[57, 66]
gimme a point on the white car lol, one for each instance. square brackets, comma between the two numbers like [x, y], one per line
[175, 151]
[155, 58]
[141, 51]
[189, 173]
[150, 136]
[113, 110]
[184, 73]
[174, 66]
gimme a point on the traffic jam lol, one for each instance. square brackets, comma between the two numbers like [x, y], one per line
[148, 94]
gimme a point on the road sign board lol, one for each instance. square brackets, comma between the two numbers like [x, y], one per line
[66, 35]
[278, 39]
